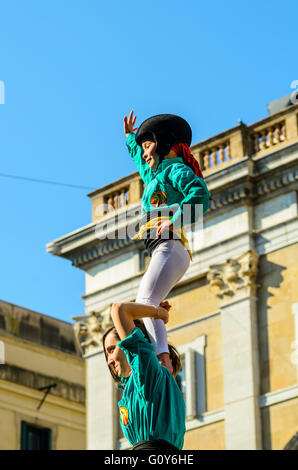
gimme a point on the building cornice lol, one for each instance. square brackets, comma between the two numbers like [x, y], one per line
[34, 380]
[109, 186]
[39, 332]
[9, 338]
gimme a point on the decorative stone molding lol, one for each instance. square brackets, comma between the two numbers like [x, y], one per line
[34, 380]
[231, 278]
[266, 186]
[97, 252]
[229, 197]
[276, 182]
[90, 328]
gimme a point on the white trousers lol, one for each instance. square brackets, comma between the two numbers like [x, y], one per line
[169, 261]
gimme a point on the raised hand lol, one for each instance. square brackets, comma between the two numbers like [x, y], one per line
[163, 226]
[129, 123]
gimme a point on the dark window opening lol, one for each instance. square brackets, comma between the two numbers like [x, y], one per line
[35, 438]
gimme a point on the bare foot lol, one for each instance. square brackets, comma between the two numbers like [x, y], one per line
[164, 360]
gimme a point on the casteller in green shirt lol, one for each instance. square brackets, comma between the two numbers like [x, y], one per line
[152, 406]
[176, 181]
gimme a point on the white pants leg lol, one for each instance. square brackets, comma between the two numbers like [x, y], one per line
[169, 261]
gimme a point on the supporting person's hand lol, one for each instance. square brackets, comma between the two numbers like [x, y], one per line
[165, 304]
[129, 124]
[163, 226]
[162, 314]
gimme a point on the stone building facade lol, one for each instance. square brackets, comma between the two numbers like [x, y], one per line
[234, 314]
[42, 383]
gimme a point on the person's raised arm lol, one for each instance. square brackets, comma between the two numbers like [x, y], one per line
[134, 149]
[124, 314]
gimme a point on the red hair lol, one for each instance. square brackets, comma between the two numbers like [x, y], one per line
[183, 150]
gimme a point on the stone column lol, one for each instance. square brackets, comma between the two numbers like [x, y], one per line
[234, 283]
[101, 392]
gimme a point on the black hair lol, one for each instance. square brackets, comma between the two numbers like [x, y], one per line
[148, 136]
[164, 142]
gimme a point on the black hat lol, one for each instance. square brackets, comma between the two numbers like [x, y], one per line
[167, 130]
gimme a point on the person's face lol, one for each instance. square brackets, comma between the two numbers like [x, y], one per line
[116, 358]
[149, 152]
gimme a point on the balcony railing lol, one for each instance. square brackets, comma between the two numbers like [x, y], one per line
[215, 155]
[116, 199]
[269, 136]
[116, 196]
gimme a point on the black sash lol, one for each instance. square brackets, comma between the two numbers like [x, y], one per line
[155, 445]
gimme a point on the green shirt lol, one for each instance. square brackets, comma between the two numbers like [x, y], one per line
[177, 181]
[152, 405]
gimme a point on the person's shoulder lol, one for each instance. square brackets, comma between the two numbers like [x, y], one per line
[177, 163]
[136, 337]
[178, 167]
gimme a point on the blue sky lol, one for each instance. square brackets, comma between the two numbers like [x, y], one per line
[72, 69]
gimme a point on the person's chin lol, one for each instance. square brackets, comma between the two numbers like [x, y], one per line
[126, 375]
[120, 372]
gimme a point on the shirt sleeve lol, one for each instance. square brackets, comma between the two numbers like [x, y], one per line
[145, 367]
[194, 190]
[136, 153]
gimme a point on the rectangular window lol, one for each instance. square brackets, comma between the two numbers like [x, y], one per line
[181, 378]
[191, 379]
[35, 438]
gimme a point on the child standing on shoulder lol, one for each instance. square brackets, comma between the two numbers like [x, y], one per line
[173, 182]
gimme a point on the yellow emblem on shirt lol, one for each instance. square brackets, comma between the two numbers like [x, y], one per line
[158, 198]
[124, 415]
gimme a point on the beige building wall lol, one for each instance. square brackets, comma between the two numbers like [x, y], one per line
[279, 424]
[277, 294]
[211, 437]
[29, 365]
